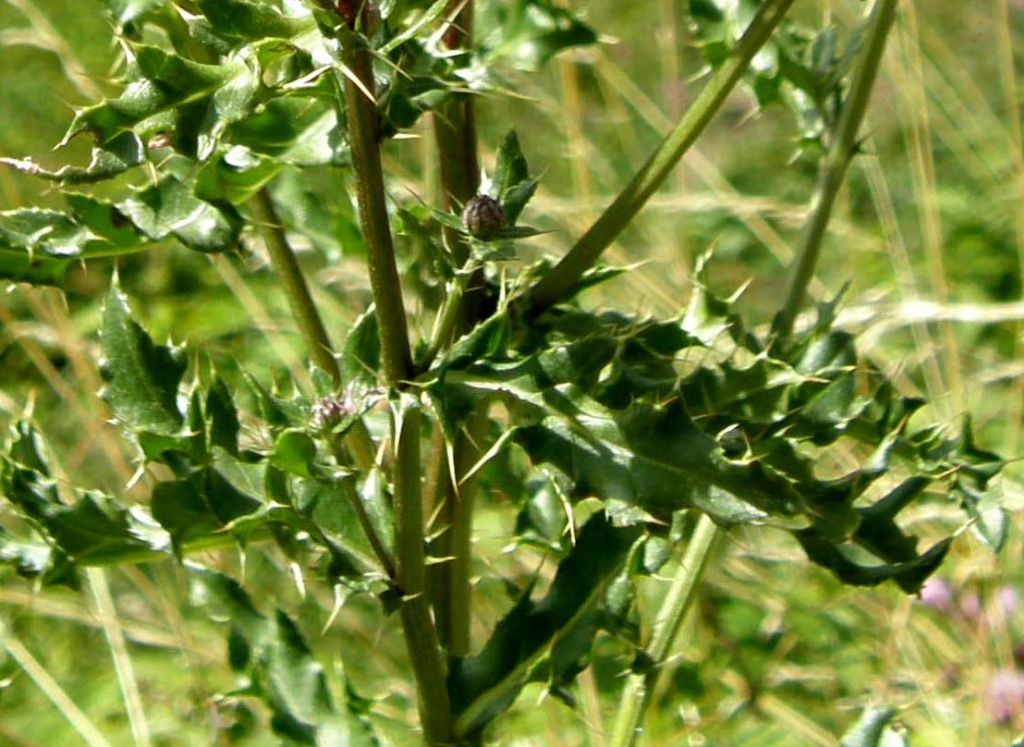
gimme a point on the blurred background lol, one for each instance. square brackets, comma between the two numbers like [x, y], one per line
[929, 235]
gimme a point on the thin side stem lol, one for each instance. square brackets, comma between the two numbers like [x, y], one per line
[833, 169]
[553, 286]
[461, 502]
[379, 548]
[51, 689]
[286, 265]
[637, 695]
[123, 667]
[420, 634]
[306, 314]
[363, 131]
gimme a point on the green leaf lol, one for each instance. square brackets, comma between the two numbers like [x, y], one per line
[122, 152]
[222, 418]
[98, 531]
[483, 686]
[874, 730]
[295, 130]
[241, 20]
[162, 85]
[600, 398]
[360, 357]
[212, 500]
[282, 669]
[234, 176]
[141, 378]
[528, 33]
[169, 208]
[295, 452]
[91, 530]
[512, 186]
[37, 246]
[183, 510]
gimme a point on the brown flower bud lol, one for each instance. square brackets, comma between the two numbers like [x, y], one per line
[483, 217]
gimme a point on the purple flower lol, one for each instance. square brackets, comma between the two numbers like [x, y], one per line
[1007, 600]
[970, 605]
[1005, 695]
[937, 593]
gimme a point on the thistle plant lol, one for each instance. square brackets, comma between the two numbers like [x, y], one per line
[622, 440]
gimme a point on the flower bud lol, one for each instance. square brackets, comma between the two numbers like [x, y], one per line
[483, 217]
[330, 411]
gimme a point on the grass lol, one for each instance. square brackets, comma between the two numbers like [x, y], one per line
[779, 654]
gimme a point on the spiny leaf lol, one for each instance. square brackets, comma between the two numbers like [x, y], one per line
[600, 398]
[484, 685]
[360, 358]
[92, 530]
[169, 208]
[37, 246]
[122, 152]
[528, 33]
[281, 667]
[161, 83]
[141, 378]
[242, 20]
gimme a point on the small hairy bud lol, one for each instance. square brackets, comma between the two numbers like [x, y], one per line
[483, 217]
[329, 411]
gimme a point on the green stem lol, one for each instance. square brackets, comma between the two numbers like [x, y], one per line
[456, 136]
[637, 694]
[557, 283]
[450, 319]
[461, 501]
[833, 168]
[304, 309]
[420, 634]
[379, 548]
[286, 265]
[363, 132]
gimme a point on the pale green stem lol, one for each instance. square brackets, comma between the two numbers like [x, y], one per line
[557, 283]
[455, 132]
[639, 686]
[833, 169]
[379, 548]
[306, 314]
[51, 689]
[123, 668]
[420, 634]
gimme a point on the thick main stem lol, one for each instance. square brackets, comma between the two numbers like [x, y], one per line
[410, 554]
[306, 314]
[833, 169]
[637, 695]
[557, 283]
[363, 131]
